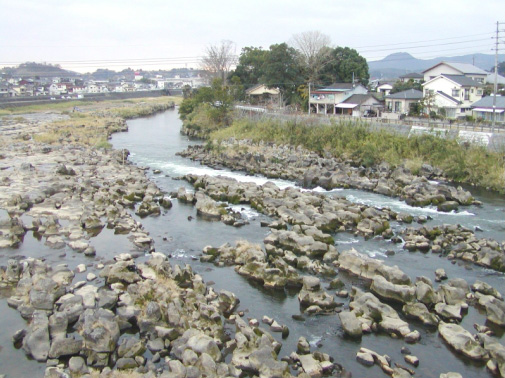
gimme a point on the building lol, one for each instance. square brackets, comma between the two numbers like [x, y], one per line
[328, 100]
[452, 95]
[403, 102]
[483, 109]
[414, 76]
[446, 68]
[362, 105]
[385, 87]
[262, 95]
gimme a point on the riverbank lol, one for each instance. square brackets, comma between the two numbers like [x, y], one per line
[146, 290]
[89, 309]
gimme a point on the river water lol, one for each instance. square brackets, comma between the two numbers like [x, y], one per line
[153, 143]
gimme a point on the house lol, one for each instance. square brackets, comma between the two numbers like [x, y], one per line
[464, 69]
[403, 102]
[500, 80]
[56, 89]
[261, 95]
[483, 109]
[325, 100]
[385, 87]
[414, 76]
[453, 93]
[359, 105]
[4, 90]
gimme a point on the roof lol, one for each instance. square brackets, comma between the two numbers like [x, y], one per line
[464, 68]
[463, 80]
[487, 102]
[443, 94]
[260, 89]
[359, 99]
[499, 79]
[338, 86]
[409, 94]
[412, 75]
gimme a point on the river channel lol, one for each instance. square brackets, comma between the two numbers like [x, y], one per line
[153, 143]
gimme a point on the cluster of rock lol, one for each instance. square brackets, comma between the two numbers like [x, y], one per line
[80, 328]
[368, 357]
[457, 242]
[443, 307]
[90, 189]
[295, 207]
[311, 170]
[209, 208]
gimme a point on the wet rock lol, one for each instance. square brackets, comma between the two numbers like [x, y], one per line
[100, 330]
[350, 324]
[440, 275]
[495, 309]
[36, 342]
[390, 291]
[420, 312]
[303, 346]
[462, 341]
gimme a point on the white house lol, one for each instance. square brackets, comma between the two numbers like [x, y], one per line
[403, 102]
[454, 93]
[464, 69]
[384, 87]
[483, 108]
[414, 76]
[328, 100]
[56, 89]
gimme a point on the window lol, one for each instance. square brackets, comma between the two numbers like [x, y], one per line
[398, 106]
[389, 105]
[479, 92]
[455, 93]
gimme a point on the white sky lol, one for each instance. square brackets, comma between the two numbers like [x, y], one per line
[83, 35]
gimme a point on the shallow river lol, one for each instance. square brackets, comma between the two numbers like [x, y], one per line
[153, 143]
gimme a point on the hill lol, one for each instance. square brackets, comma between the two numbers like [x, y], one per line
[38, 69]
[398, 64]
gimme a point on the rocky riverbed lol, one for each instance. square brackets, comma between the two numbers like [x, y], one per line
[90, 313]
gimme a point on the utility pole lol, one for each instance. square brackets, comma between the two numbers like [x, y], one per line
[309, 97]
[495, 87]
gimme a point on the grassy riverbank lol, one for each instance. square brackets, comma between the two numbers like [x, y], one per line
[90, 123]
[461, 163]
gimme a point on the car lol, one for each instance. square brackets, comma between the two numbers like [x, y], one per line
[370, 113]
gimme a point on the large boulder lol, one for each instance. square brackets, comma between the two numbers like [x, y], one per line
[390, 291]
[36, 341]
[462, 341]
[100, 330]
[350, 324]
[495, 309]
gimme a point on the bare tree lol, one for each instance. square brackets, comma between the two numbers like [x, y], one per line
[218, 59]
[314, 49]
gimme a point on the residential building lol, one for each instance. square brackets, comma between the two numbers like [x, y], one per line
[464, 69]
[414, 76]
[262, 95]
[385, 87]
[328, 99]
[483, 109]
[403, 102]
[453, 93]
[359, 105]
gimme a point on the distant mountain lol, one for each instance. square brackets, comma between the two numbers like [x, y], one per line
[397, 64]
[38, 69]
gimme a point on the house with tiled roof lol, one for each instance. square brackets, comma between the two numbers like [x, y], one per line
[403, 102]
[414, 76]
[483, 109]
[329, 100]
[359, 105]
[453, 93]
[449, 68]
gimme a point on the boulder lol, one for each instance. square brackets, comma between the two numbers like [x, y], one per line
[350, 324]
[390, 291]
[462, 341]
[36, 341]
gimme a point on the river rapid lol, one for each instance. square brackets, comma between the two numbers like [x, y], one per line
[153, 143]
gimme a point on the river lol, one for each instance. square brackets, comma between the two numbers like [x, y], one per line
[179, 232]
[154, 141]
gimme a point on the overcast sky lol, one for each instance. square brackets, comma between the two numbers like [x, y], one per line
[87, 34]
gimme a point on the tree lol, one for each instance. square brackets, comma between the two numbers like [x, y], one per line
[501, 68]
[218, 59]
[281, 70]
[314, 52]
[344, 65]
[250, 66]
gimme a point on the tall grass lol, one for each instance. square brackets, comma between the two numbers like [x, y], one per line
[462, 163]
